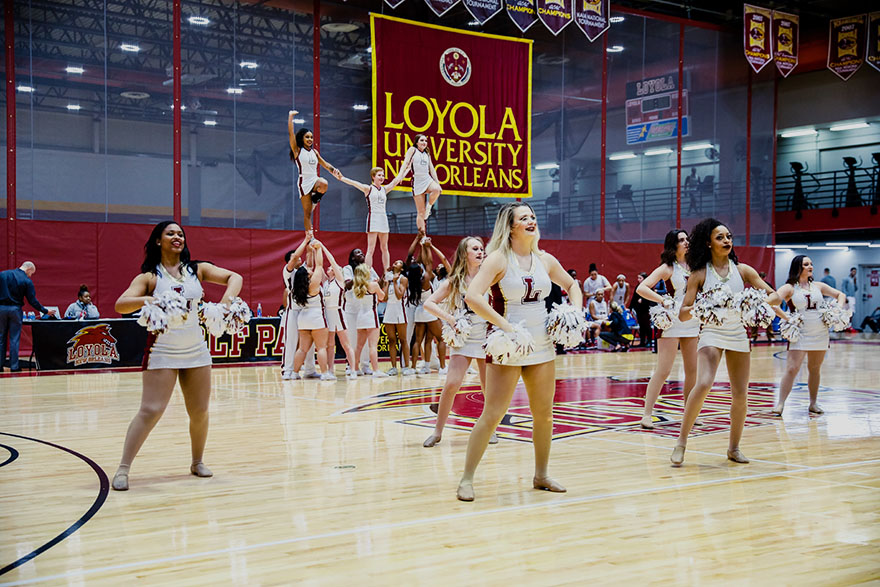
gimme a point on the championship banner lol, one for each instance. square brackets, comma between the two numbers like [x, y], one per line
[483, 10]
[393, 3]
[846, 45]
[522, 13]
[441, 7]
[785, 41]
[756, 36]
[873, 53]
[555, 15]
[469, 93]
[592, 17]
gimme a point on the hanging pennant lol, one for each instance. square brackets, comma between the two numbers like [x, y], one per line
[846, 45]
[522, 13]
[592, 17]
[555, 15]
[756, 39]
[483, 10]
[441, 7]
[785, 41]
[872, 55]
[393, 3]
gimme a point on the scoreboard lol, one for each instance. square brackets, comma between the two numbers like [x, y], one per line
[652, 110]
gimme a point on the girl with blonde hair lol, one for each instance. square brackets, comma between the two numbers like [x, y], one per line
[367, 295]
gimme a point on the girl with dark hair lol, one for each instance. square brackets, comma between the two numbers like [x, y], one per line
[289, 328]
[311, 187]
[712, 261]
[395, 317]
[805, 295]
[425, 181]
[673, 268]
[427, 326]
[179, 353]
[82, 308]
[334, 290]
[520, 277]
[311, 322]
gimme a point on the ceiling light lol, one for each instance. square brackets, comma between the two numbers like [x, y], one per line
[129, 47]
[339, 27]
[299, 121]
[848, 244]
[25, 89]
[849, 126]
[234, 91]
[474, 23]
[248, 64]
[74, 69]
[361, 107]
[821, 248]
[874, 246]
[369, 49]
[199, 20]
[663, 151]
[616, 19]
[210, 123]
[621, 156]
[615, 49]
[134, 95]
[783, 250]
[799, 133]
[182, 108]
[697, 146]
[547, 166]
[74, 107]
[794, 246]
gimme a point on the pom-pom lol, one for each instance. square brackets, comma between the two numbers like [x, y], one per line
[791, 329]
[835, 316]
[167, 310]
[566, 325]
[503, 346]
[754, 310]
[220, 319]
[238, 317]
[663, 314]
[711, 305]
[457, 335]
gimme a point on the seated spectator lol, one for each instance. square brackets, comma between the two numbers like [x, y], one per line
[598, 309]
[617, 329]
[595, 283]
[872, 321]
[82, 308]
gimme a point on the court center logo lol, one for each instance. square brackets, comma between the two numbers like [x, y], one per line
[455, 67]
[92, 344]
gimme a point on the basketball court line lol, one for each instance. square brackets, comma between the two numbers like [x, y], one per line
[425, 521]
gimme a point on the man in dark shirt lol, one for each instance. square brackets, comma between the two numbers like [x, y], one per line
[15, 286]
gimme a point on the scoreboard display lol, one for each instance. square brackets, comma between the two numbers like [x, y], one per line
[652, 110]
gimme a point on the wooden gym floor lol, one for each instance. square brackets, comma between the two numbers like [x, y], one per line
[328, 483]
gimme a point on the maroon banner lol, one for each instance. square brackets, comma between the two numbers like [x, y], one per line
[483, 10]
[393, 3]
[872, 55]
[846, 45]
[756, 36]
[522, 13]
[786, 28]
[469, 93]
[441, 7]
[555, 15]
[592, 17]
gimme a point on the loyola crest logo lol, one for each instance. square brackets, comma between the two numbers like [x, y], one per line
[92, 344]
[455, 67]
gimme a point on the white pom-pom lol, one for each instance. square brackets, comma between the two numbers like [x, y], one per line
[663, 314]
[711, 305]
[753, 308]
[167, 310]
[213, 316]
[791, 329]
[504, 346]
[238, 317]
[456, 336]
[566, 325]
[835, 316]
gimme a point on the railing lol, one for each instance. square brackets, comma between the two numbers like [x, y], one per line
[828, 189]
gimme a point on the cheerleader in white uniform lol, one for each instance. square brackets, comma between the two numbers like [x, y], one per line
[334, 296]
[447, 300]
[805, 295]
[306, 292]
[367, 295]
[311, 187]
[395, 317]
[289, 326]
[424, 179]
[427, 326]
[350, 306]
[682, 335]
[181, 352]
[377, 218]
[520, 276]
[712, 260]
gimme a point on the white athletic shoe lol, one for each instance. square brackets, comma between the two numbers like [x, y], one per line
[365, 370]
[351, 375]
[472, 371]
[424, 370]
[443, 370]
[312, 375]
[286, 376]
[408, 371]
[328, 376]
[435, 363]
[379, 374]
[392, 371]
[428, 210]
[295, 376]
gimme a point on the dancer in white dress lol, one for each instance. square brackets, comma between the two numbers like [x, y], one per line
[712, 260]
[425, 180]
[181, 352]
[306, 292]
[806, 295]
[377, 218]
[334, 301]
[520, 276]
[311, 187]
[289, 322]
[682, 335]
[367, 295]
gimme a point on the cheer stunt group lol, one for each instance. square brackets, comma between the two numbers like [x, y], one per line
[490, 309]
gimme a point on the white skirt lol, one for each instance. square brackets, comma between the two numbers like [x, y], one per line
[422, 315]
[377, 222]
[180, 348]
[536, 323]
[679, 329]
[367, 318]
[814, 335]
[335, 319]
[473, 347]
[421, 185]
[311, 319]
[307, 184]
[729, 338]
[394, 313]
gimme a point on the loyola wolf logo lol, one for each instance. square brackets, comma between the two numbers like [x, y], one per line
[92, 344]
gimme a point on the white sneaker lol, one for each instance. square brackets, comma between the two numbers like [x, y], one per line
[294, 376]
[472, 371]
[424, 370]
[443, 370]
[328, 376]
[435, 363]
[351, 375]
[408, 371]
[379, 374]
[311, 375]
[428, 210]
[392, 371]
[365, 370]
[286, 376]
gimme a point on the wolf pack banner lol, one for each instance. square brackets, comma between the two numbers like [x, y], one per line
[756, 36]
[441, 7]
[555, 15]
[468, 93]
[846, 45]
[592, 17]
[873, 53]
[785, 41]
[522, 13]
[483, 10]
